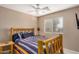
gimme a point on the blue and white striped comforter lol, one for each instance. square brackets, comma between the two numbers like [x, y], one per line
[30, 44]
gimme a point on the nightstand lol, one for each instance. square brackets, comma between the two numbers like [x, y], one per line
[6, 48]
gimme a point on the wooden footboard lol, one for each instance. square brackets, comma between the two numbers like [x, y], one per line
[51, 46]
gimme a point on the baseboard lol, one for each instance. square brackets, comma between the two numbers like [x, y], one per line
[68, 51]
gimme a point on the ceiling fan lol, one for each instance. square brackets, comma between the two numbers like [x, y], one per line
[38, 8]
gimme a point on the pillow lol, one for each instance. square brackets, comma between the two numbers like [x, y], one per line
[15, 36]
[23, 34]
[26, 34]
[17, 40]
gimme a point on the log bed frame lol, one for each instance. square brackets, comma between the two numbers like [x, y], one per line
[55, 43]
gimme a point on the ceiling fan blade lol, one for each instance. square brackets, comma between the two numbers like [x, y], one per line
[36, 6]
[45, 8]
[33, 7]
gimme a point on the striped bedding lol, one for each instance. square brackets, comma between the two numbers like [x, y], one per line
[30, 44]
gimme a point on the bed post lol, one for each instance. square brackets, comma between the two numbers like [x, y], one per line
[40, 47]
[61, 38]
[11, 34]
[11, 30]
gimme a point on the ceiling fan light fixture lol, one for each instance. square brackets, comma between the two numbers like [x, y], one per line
[39, 8]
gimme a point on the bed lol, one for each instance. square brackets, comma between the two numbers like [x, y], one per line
[36, 44]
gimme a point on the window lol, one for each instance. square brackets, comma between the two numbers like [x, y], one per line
[48, 26]
[58, 24]
[54, 25]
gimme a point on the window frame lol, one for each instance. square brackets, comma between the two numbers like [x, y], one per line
[48, 20]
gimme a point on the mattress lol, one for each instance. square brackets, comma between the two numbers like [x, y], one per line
[30, 44]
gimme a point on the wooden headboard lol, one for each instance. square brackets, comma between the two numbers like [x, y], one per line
[17, 30]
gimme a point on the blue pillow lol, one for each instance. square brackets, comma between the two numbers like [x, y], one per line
[26, 34]
[15, 36]
[23, 34]
[17, 40]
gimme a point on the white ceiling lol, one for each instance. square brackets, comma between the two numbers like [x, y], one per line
[26, 8]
